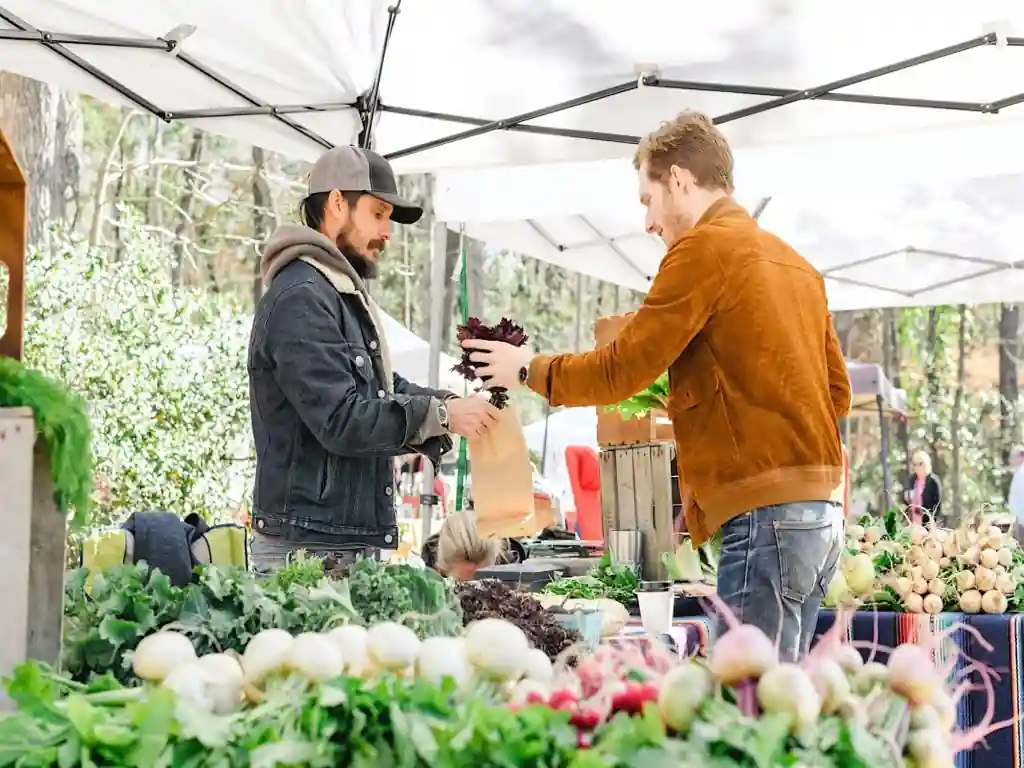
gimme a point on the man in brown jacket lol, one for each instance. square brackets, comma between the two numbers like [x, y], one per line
[757, 382]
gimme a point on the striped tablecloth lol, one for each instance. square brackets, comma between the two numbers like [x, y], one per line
[1004, 633]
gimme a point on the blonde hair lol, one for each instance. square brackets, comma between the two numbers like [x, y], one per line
[460, 543]
[690, 141]
[925, 459]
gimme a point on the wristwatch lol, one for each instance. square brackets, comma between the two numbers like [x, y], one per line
[524, 374]
[442, 415]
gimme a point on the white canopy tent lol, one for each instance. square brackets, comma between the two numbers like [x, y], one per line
[940, 242]
[410, 356]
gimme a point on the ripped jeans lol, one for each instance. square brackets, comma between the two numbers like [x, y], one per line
[775, 567]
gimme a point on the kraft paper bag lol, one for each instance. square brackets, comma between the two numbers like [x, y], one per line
[503, 480]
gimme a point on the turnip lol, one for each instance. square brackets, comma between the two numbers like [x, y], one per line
[916, 555]
[786, 689]
[924, 717]
[838, 590]
[937, 587]
[989, 558]
[265, 655]
[528, 692]
[984, 579]
[971, 555]
[392, 647]
[1005, 583]
[932, 549]
[995, 538]
[964, 581]
[538, 667]
[443, 658]
[857, 532]
[929, 570]
[932, 604]
[859, 573]
[830, 682]
[315, 657]
[950, 548]
[351, 641]
[848, 658]
[920, 586]
[190, 685]
[903, 586]
[914, 603]
[1005, 557]
[929, 749]
[993, 601]
[158, 654]
[913, 675]
[224, 681]
[946, 710]
[970, 601]
[497, 649]
[742, 653]
[870, 675]
[873, 534]
[683, 690]
[867, 547]
[944, 562]
[917, 534]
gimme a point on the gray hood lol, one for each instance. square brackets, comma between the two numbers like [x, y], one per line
[290, 241]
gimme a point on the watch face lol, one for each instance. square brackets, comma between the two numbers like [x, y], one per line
[524, 374]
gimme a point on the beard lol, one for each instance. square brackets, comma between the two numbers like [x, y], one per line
[366, 267]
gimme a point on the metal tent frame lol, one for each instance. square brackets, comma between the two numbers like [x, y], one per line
[369, 105]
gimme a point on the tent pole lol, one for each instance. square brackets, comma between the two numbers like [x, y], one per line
[438, 249]
[886, 479]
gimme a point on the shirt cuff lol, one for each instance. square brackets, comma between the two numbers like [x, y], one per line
[431, 425]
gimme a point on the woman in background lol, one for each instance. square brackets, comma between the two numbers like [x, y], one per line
[458, 551]
[924, 493]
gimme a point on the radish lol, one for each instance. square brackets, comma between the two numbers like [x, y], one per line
[932, 604]
[444, 657]
[497, 649]
[989, 558]
[265, 655]
[993, 601]
[871, 675]
[742, 653]
[937, 587]
[929, 749]
[929, 570]
[224, 679]
[932, 550]
[351, 641]
[920, 587]
[1005, 583]
[964, 581]
[917, 534]
[315, 657]
[528, 692]
[158, 654]
[970, 601]
[984, 578]
[902, 585]
[830, 682]
[392, 646]
[971, 555]
[788, 690]
[538, 667]
[683, 690]
[633, 696]
[913, 675]
[1005, 557]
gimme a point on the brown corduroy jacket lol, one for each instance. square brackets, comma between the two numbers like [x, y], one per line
[756, 375]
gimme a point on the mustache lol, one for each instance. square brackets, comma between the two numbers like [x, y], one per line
[376, 245]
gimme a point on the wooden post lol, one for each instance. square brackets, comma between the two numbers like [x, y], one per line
[32, 544]
[636, 494]
[13, 228]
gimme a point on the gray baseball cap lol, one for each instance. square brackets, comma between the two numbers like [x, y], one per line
[351, 169]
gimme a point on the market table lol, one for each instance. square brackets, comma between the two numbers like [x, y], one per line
[695, 635]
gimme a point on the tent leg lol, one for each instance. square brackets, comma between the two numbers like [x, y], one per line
[438, 249]
[886, 479]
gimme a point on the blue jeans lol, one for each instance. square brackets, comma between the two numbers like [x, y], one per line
[269, 553]
[775, 567]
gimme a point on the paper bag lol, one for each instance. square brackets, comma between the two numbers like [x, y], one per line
[503, 480]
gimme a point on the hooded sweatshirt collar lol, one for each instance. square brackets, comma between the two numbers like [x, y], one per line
[292, 241]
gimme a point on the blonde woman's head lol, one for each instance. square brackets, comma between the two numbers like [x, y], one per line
[921, 463]
[460, 550]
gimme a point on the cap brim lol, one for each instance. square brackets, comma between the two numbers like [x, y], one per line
[404, 212]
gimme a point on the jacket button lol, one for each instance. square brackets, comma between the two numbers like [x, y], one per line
[373, 345]
[359, 361]
[381, 394]
[388, 491]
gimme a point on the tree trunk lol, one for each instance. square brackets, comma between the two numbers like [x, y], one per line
[1009, 391]
[931, 375]
[954, 417]
[28, 117]
[260, 219]
[844, 323]
[187, 205]
[893, 362]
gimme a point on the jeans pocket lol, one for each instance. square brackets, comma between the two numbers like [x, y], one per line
[805, 549]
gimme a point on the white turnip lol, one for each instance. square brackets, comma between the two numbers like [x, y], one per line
[964, 581]
[1005, 557]
[929, 570]
[993, 601]
[914, 603]
[190, 685]
[683, 690]
[786, 689]
[970, 601]
[989, 558]
[497, 649]
[932, 604]
[830, 682]
[848, 658]
[984, 578]
[265, 655]
[929, 749]
[351, 641]
[859, 573]
[224, 681]
[913, 675]
[538, 667]
[937, 587]
[159, 653]
[392, 647]
[315, 657]
[445, 657]
[917, 534]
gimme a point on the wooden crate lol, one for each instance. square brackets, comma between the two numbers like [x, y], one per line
[612, 429]
[636, 493]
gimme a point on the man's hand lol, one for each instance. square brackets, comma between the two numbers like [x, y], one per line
[470, 416]
[498, 364]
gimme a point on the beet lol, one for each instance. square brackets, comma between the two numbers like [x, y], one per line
[505, 331]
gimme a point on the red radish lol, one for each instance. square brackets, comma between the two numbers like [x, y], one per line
[562, 699]
[632, 699]
[587, 719]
